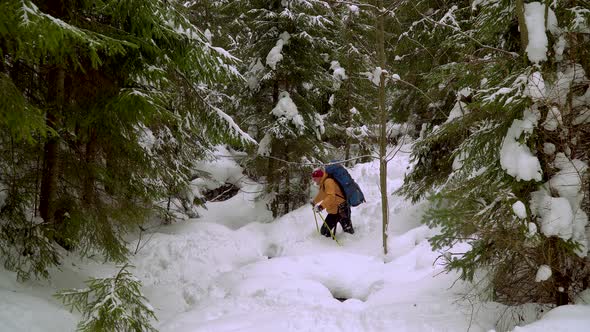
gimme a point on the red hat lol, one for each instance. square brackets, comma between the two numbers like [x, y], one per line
[317, 173]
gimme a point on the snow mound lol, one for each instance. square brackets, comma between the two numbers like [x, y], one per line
[567, 318]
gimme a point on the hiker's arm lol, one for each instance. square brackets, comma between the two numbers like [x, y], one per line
[318, 198]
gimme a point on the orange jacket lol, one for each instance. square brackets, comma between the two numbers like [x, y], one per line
[330, 195]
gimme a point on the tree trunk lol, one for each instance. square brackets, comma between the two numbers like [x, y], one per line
[382, 124]
[524, 32]
[48, 195]
[561, 291]
[89, 193]
[287, 194]
[270, 180]
[348, 123]
[272, 163]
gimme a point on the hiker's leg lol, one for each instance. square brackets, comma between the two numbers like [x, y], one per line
[331, 221]
[344, 213]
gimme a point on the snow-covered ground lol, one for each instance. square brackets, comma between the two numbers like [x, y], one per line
[235, 269]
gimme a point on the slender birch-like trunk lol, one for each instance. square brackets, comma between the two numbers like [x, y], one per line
[382, 123]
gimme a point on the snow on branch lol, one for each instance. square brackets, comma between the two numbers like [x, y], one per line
[458, 30]
[515, 157]
[580, 21]
[449, 17]
[534, 15]
[275, 56]
[113, 304]
[233, 125]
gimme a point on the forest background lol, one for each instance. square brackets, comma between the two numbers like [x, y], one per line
[108, 105]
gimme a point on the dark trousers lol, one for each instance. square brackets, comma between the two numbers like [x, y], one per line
[332, 220]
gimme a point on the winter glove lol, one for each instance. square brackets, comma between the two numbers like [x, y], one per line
[317, 208]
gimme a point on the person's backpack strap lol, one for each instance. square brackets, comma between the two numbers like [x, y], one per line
[339, 187]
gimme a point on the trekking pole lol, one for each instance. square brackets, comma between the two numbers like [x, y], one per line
[317, 227]
[314, 215]
[329, 230]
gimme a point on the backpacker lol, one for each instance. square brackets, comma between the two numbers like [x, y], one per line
[352, 191]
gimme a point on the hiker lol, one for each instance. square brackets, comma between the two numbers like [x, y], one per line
[330, 197]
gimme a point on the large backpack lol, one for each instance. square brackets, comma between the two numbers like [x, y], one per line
[352, 191]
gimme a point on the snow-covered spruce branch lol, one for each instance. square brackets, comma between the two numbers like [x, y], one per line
[381, 10]
[111, 304]
[406, 36]
[356, 3]
[398, 79]
[456, 29]
[220, 113]
[318, 164]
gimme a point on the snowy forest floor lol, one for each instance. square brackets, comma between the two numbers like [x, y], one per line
[236, 269]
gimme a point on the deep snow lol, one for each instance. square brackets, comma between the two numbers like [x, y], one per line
[235, 269]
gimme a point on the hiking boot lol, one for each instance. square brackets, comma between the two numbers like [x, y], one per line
[347, 226]
[325, 231]
[329, 225]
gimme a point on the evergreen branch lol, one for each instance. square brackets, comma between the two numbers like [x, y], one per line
[456, 29]
[397, 79]
[390, 155]
[383, 11]
[111, 304]
[317, 164]
[407, 36]
[220, 113]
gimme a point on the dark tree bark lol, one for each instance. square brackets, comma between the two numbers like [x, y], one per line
[48, 195]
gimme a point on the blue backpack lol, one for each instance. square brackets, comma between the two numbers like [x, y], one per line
[352, 191]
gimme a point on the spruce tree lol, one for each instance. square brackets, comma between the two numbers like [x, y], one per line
[349, 123]
[286, 48]
[107, 108]
[111, 304]
[496, 165]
